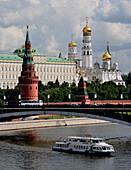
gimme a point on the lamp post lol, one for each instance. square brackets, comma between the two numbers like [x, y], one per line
[69, 95]
[19, 98]
[48, 96]
[4, 99]
[122, 96]
[95, 95]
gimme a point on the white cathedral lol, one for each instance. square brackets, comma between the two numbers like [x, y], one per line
[85, 67]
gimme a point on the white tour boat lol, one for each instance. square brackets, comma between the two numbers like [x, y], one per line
[87, 145]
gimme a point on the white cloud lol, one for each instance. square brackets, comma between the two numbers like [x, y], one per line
[52, 22]
[34, 2]
[114, 11]
[11, 38]
[119, 32]
[11, 17]
[52, 45]
[44, 28]
[124, 60]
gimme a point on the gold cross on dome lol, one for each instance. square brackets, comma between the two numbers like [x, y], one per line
[87, 20]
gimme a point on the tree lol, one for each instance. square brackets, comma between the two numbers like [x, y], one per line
[65, 85]
[56, 84]
[41, 87]
[50, 85]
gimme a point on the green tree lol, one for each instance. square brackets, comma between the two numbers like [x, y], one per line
[64, 85]
[56, 84]
[50, 85]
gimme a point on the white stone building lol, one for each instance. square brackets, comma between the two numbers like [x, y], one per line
[48, 68]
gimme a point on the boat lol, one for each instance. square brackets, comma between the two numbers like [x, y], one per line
[86, 145]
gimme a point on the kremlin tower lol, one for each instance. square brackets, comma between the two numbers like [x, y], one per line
[72, 50]
[87, 47]
[82, 95]
[28, 80]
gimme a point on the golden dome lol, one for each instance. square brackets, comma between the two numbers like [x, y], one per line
[72, 44]
[83, 72]
[107, 56]
[77, 68]
[87, 29]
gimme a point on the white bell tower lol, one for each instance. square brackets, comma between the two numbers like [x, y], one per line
[72, 50]
[87, 47]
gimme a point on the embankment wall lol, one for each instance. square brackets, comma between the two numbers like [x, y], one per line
[19, 125]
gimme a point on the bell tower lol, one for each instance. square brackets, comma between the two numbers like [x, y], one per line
[72, 50]
[28, 80]
[87, 47]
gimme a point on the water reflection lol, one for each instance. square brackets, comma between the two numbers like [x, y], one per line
[32, 149]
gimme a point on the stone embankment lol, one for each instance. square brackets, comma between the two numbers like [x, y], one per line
[19, 125]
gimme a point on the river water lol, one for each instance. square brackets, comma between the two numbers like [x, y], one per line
[31, 149]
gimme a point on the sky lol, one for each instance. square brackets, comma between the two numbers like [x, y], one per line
[52, 23]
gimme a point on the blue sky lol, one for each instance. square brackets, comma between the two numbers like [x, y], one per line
[52, 23]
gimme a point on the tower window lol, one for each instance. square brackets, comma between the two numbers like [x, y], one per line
[30, 87]
[87, 52]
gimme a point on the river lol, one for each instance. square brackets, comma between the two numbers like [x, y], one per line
[31, 149]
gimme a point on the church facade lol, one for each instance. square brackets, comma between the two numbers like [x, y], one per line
[91, 72]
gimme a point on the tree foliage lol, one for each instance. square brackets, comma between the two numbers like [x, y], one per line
[59, 93]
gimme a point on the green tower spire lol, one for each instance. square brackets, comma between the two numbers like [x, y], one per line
[28, 56]
[27, 34]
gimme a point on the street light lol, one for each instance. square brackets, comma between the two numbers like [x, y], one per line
[19, 98]
[48, 96]
[95, 95]
[4, 99]
[69, 95]
[122, 96]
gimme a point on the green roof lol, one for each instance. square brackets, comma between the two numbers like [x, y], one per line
[21, 51]
[56, 59]
[10, 57]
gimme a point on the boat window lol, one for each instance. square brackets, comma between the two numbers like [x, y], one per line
[104, 148]
[101, 141]
[82, 140]
[95, 141]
